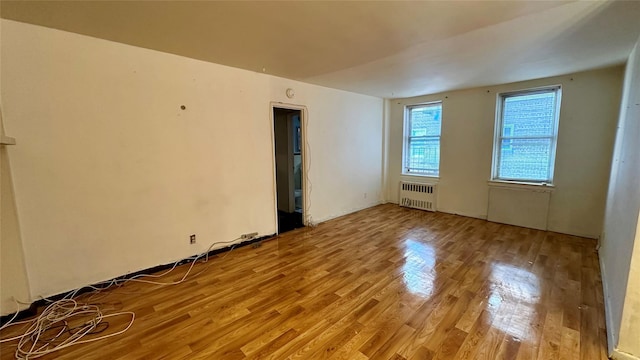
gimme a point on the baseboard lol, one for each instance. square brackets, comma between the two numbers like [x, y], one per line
[475, 216]
[484, 217]
[607, 308]
[573, 233]
[33, 308]
[621, 355]
[21, 315]
[347, 212]
[453, 212]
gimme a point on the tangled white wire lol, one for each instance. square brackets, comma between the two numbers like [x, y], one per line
[62, 324]
[65, 322]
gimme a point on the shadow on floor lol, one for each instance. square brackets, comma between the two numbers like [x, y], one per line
[289, 221]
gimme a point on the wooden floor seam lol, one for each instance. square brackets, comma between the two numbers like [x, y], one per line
[382, 283]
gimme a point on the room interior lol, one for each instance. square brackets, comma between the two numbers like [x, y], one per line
[129, 126]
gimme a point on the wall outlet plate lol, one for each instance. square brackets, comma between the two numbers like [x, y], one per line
[192, 239]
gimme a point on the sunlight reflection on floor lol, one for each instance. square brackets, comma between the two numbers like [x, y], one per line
[518, 289]
[418, 273]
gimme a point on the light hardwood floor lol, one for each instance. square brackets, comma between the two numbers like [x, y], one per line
[383, 283]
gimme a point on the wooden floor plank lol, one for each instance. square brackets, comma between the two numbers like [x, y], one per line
[382, 283]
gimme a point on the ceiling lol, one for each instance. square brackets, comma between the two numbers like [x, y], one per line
[380, 48]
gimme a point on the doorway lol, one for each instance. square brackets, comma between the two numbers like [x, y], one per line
[289, 167]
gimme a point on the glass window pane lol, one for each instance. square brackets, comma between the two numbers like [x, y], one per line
[425, 120]
[529, 115]
[424, 155]
[525, 159]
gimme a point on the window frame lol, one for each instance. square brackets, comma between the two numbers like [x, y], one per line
[407, 138]
[498, 137]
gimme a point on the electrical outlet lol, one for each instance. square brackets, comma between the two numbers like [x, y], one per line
[248, 236]
[192, 239]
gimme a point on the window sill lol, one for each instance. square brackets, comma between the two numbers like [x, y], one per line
[519, 185]
[421, 176]
[422, 179]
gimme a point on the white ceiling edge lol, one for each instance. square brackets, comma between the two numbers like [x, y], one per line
[570, 38]
[564, 39]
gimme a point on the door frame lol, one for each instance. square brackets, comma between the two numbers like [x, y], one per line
[303, 153]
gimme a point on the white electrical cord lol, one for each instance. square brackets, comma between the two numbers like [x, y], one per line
[32, 344]
[137, 278]
[8, 323]
[38, 340]
[194, 259]
[307, 169]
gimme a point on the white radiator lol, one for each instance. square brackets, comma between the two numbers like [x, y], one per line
[418, 196]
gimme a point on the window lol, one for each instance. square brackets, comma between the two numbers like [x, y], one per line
[526, 135]
[422, 139]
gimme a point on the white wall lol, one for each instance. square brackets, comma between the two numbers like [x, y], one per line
[590, 104]
[619, 257]
[111, 176]
[344, 149]
[630, 324]
[14, 283]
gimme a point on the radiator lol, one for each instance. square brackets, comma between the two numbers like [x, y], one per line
[418, 196]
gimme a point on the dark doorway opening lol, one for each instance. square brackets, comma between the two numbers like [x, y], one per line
[287, 126]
